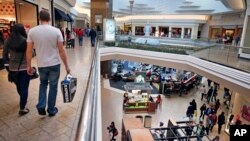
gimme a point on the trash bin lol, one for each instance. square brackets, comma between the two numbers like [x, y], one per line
[147, 121]
[140, 117]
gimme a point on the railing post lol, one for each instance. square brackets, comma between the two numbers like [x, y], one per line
[228, 53]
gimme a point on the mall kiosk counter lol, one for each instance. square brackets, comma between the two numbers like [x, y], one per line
[138, 98]
[133, 130]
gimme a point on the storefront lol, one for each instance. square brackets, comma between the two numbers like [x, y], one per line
[176, 32]
[15, 11]
[217, 32]
[139, 30]
[163, 31]
[238, 111]
[187, 33]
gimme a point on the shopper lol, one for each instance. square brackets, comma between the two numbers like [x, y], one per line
[217, 105]
[72, 39]
[48, 42]
[214, 121]
[190, 111]
[209, 94]
[209, 82]
[92, 35]
[14, 54]
[203, 109]
[194, 104]
[112, 131]
[80, 36]
[221, 121]
[67, 38]
[214, 95]
[203, 92]
[200, 131]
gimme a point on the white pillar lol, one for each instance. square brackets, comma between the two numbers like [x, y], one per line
[182, 32]
[170, 32]
[133, 29]
[194, 33]
[157, 32]
[244, 32]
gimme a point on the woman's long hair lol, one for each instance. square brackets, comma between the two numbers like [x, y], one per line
[17, 39]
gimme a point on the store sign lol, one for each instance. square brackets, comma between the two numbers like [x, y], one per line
[109, 30]
[246, 112]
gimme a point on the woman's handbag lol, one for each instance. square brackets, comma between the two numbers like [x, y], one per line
[13, 75]
[35, 74]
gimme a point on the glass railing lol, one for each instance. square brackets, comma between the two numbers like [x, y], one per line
[89, 127]
[226, 55]
[218, 53]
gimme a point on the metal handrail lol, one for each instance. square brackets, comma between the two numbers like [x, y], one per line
[87, 124]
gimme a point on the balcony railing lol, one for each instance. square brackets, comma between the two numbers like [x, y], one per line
[218, 53]
[90, 122]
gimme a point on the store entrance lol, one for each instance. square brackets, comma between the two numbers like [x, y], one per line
[12, 12]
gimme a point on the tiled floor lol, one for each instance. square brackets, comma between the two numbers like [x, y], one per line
[173, 107]
[33, 127]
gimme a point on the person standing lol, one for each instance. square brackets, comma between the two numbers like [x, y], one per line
[217, 105]
[221, 121]
[48, 42]
[214, 121]
[209, 82]
[203, 92]
[209, 94]
[80, 36]
[72, 39]
[203, 109]
[92, 35]
[14, 54]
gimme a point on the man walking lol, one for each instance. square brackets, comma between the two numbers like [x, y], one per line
[48, 42]
[92, 35]
[221, 121]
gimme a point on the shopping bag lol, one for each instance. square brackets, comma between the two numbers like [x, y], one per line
[68, 87]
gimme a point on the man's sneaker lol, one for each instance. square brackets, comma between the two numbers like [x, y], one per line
[41, 111]
[51, 114]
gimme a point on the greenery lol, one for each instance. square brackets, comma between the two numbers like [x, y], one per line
[161, 48]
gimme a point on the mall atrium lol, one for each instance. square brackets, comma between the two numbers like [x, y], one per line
[140, 70]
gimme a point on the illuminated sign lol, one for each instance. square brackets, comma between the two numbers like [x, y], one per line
[109, 30]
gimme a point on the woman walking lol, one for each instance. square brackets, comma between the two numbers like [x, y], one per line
[14, 54]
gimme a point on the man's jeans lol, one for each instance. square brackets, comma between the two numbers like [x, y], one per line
[80, 41]
[48, 75]
[22, 86]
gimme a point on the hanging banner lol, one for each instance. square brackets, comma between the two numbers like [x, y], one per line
[109, 30]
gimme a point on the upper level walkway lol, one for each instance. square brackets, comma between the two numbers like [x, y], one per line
[33, 127]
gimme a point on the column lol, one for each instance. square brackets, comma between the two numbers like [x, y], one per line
[182, 32]
[102, 8]
[133, 29]
[245, 53]
[170, 32]
[157, 32]
[194, 33]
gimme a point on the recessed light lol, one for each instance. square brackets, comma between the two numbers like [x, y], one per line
[21, 3]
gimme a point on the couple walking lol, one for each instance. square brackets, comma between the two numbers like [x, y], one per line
[48, 43]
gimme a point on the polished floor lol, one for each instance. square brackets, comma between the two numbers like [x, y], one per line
[173, 107]
[32, 127]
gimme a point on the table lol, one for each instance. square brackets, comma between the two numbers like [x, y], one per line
[140, 135]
